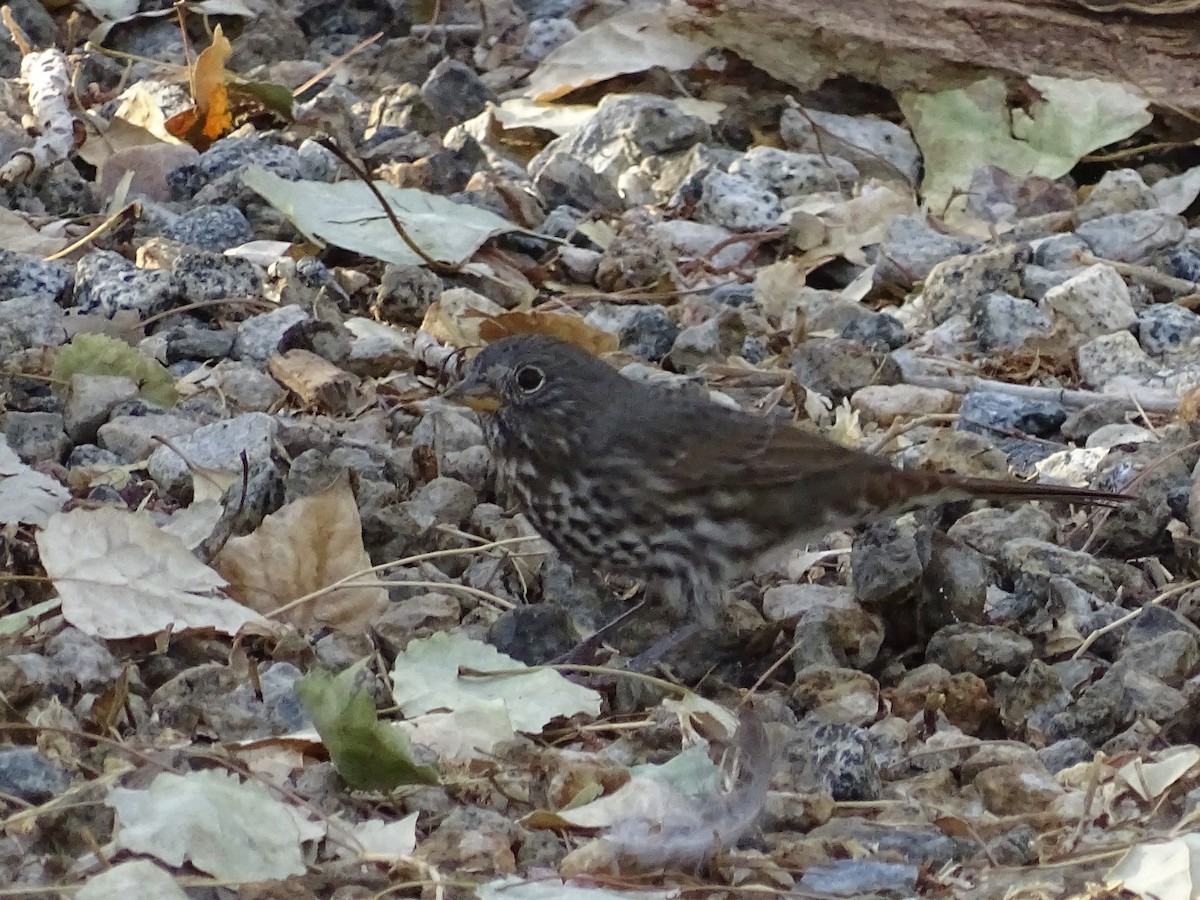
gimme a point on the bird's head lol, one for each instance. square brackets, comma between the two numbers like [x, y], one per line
[531, 379]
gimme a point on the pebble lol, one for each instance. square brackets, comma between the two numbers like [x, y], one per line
[211, 227]
[216, 446]
[1132, 236]
[1109, 357]
[911, 248]
[259, 337]
[443, 501]
[23, 275]
[106, 282]
[983, 650]
[877, 148]
[1002, 320]
[30, 776]
[714, 340]
[626, 129]
[30, 320]
[1094, 302]
[1016, 788]
[953, 286]
[455, 93]
[91, 400]
[737, 203]
[991, 412]
[1117, 191]
[884, 403]
[37, 436]
[837, 368]
[133, 437]
[879, 331]
[1170, 333]
[791, 175]
[561, 179]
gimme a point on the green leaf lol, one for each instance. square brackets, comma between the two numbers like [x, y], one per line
[99, 354]
[369, 754]
[962, 130]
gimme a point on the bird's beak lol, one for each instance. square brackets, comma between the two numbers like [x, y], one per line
[474, 393]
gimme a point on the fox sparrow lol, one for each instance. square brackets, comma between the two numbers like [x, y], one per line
[673, 488]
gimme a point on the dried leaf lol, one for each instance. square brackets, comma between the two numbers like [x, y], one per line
[568, 326]
[306, 546]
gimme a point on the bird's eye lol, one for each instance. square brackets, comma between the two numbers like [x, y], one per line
[530, 379]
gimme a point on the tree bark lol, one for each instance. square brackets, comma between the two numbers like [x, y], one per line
[936, 44]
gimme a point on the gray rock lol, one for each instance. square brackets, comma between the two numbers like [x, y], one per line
[1002, 320]
[215, 276]
[36, 436]
[1081, 423]
[887, 564]
[1031, 563]
[835, 757]
[876, 147]
[879, 331]
[1113, 356]
[534, 634]
[794, 174]
[1172, 657]
[546, 35]
[244, 387]
[1064, 754]
[956, 284]
[911, 248]
[713, 340]
[1060, 251]
[216, 446]
[405, 293]
[199, 344]
[133, 437]
[561, 222]
[983, 650]
[1170, 332]
[955, 584]
[213, 228]
[991, 412]
[29, 776]
[1132, 236]
[736, 202]
[231, 156]
[85, 658]
[673, 179]
[645, 331]
[443, 501]
[626, 129]
[1118, 191]
[23, 275]
[1094, 302]
[565, 180]
[1037, 280]
[91, 400]
[258, 337]
[455, 93]
[837, 367]
[106, 282]
[34, 320]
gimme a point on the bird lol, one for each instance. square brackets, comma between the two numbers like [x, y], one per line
[672, 488]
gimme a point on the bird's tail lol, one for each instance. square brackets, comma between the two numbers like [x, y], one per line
[961, 487]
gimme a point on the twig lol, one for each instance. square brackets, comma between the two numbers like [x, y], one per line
[1148, 399]
[1141, 273]
[1133, 614]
